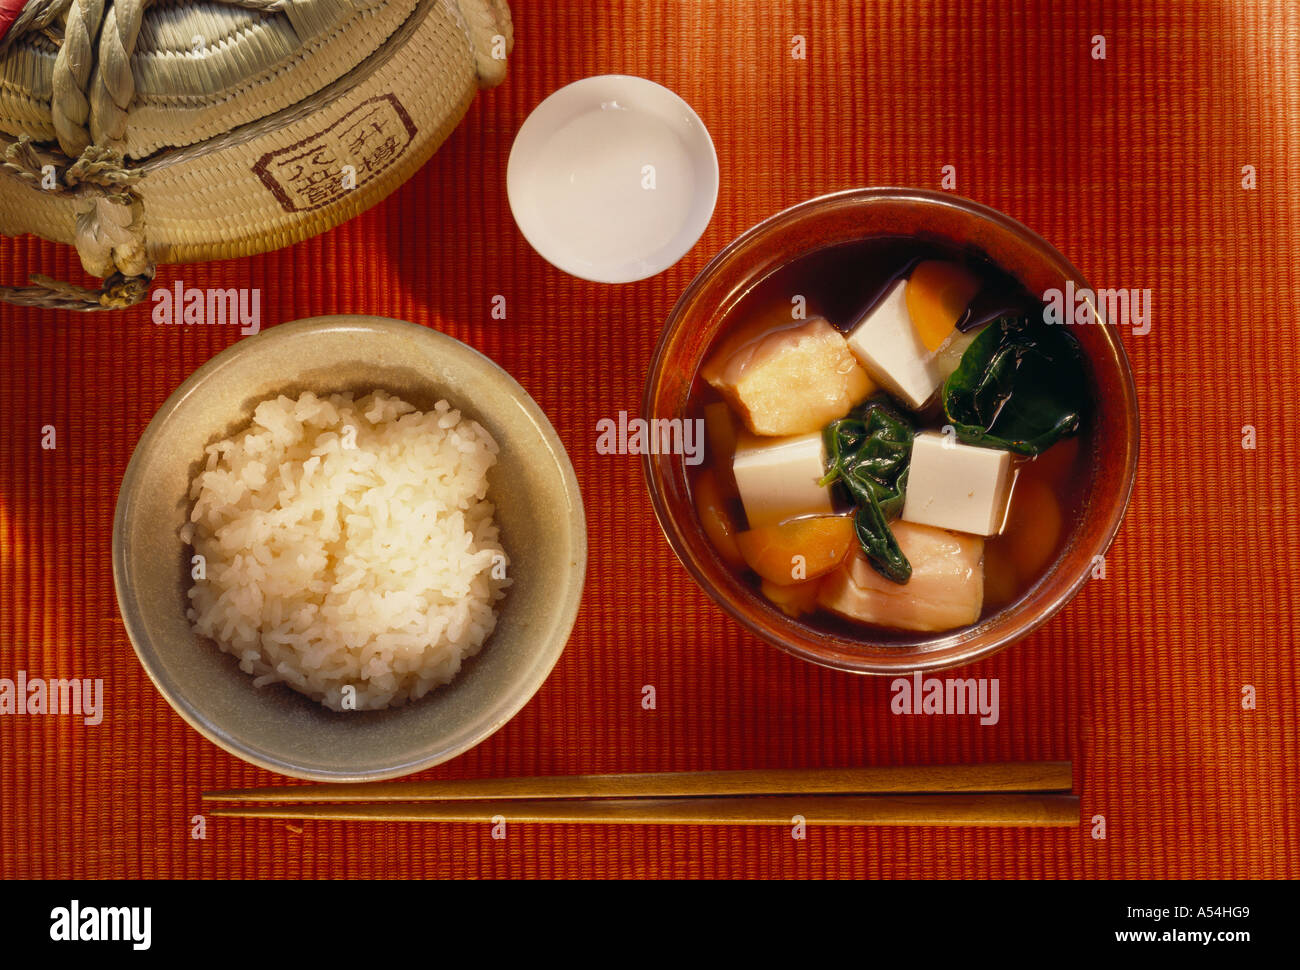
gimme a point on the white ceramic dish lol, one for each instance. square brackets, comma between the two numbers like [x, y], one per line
[612, 178]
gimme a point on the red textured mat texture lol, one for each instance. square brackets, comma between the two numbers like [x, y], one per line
[1131, 165]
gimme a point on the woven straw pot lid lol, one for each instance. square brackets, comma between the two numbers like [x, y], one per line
[170, 131]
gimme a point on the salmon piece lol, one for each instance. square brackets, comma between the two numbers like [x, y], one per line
[946, 590]
[790, 381]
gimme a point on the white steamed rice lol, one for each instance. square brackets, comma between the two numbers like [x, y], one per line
[348, 544]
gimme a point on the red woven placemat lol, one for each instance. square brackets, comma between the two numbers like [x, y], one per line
[1132, 165]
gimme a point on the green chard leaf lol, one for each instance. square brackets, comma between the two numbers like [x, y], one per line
[868, 452]
[1019, 386]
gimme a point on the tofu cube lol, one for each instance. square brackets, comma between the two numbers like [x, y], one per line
[955, 486]
[790, 380]
[890, 350]
[777, 478]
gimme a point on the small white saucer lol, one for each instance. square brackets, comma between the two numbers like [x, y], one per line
[612, 178]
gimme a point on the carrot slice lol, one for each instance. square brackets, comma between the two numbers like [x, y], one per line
[794, 600]
[711, 505]
[937, 294]
[798, 550]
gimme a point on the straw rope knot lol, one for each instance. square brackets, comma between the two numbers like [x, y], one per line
[110, 234]
[105, 169]
[109, 228]
[23, 160]
[109, 212]
[92, 90]
[97, 168]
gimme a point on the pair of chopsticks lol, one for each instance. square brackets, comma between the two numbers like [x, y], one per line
[1006, 794]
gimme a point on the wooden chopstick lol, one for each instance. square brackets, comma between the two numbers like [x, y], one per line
[1041, 776]
[988, 809]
